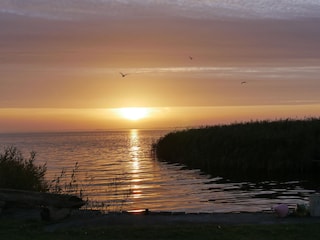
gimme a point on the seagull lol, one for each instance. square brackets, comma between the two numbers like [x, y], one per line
[124, 74]
[243, 82]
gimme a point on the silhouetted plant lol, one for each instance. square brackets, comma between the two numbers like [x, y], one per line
[68, 183]
[118, 193]
[253, 150]
[17, 172]
[21, 173]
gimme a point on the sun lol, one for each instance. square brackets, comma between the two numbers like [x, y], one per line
[133, 113]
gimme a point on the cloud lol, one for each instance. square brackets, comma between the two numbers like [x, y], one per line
[77, 9]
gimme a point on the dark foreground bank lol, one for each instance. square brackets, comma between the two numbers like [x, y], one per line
[167, 219]
[262, 150]
[164, 226]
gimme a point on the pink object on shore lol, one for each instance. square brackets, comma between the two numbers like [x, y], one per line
[281, 210]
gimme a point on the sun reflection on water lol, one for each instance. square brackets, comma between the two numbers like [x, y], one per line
[135, 164]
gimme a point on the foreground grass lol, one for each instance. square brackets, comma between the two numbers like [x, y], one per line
[35, 230]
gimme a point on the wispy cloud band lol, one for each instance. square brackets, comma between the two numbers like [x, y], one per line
[77, 9]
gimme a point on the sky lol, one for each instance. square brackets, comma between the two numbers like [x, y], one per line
[188, 63]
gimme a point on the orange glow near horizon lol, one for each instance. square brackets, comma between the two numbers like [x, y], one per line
[29, 120]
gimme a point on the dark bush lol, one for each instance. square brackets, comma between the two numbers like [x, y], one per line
[18, 172]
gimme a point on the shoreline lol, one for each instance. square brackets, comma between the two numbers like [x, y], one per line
[167, 219]
[94, 219]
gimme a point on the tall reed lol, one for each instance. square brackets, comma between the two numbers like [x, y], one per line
[282, 149]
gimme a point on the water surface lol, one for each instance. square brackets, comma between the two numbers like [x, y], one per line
[118, 171]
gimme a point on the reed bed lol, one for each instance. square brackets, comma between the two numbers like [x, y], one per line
[256, 150]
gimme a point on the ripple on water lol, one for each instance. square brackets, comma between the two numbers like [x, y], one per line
[117, 169]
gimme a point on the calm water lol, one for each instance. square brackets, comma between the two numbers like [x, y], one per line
[116, 168]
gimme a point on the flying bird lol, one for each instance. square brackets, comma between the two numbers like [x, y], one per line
[124, 74]
[190, 57]
[244, 82]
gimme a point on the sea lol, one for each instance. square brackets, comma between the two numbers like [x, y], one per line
[118, 171]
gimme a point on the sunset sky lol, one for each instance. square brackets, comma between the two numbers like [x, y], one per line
[189, 63]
